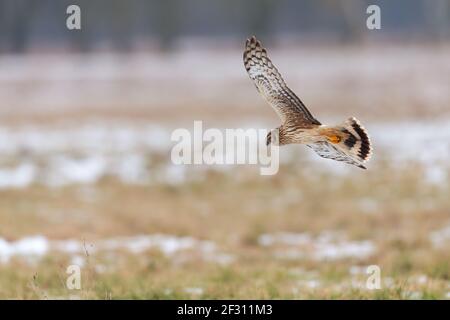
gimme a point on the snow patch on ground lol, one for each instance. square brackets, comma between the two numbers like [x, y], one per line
[84, 154]
[326, 246]
[440, 238]
[36, 247]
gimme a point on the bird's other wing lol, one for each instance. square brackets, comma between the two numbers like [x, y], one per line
[329, 151]
[272, 87]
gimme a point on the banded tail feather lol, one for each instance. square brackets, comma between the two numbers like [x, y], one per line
[348, 142]
[357, 141]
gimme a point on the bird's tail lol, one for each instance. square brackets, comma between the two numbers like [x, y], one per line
[354, 140]
[350, 142]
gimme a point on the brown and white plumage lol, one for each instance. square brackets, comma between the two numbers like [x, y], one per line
[348, 142]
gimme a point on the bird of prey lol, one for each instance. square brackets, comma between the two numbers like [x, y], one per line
[347, 142]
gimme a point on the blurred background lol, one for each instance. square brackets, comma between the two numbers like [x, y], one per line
[86, 177]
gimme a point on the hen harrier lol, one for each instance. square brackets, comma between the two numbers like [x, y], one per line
[348, 142]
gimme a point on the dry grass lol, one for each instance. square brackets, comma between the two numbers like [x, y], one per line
[233, 211]
[391, 207]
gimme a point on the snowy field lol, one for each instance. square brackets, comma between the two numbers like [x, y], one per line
[80, 163]
[74, 154]
[86, 177]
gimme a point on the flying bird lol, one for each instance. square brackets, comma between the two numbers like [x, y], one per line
[347, 142]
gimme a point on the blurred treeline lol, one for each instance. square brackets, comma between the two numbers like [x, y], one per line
[121, 24]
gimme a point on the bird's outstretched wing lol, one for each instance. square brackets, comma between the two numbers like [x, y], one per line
[329, 151]
[272, 87]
